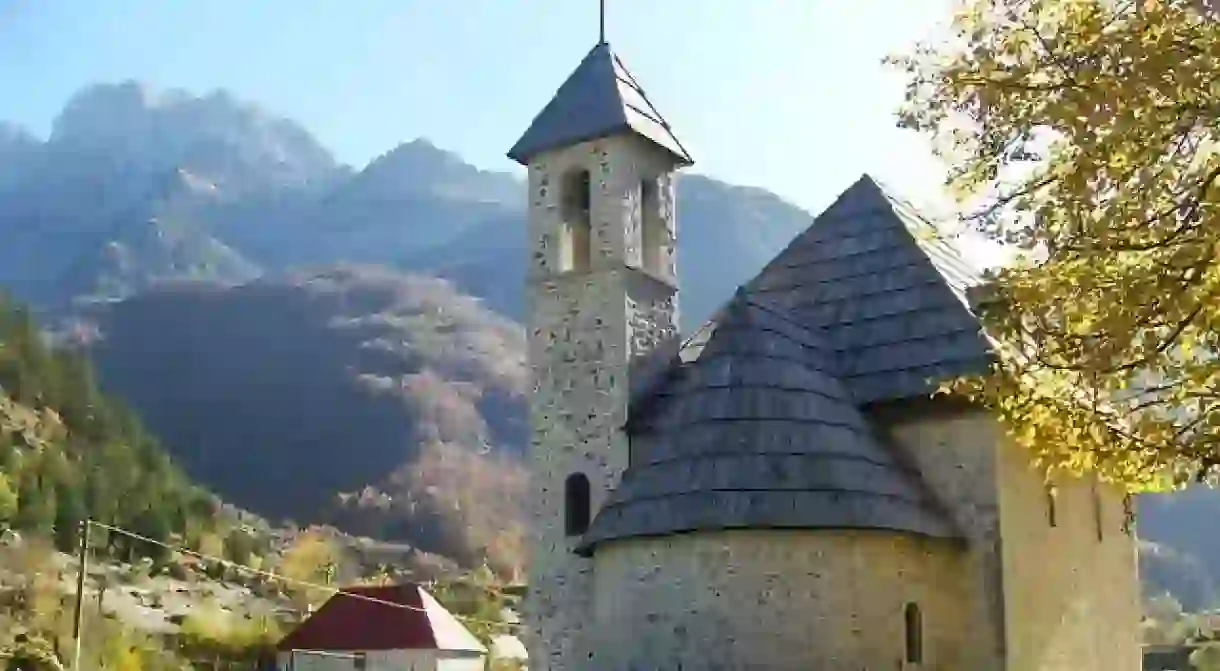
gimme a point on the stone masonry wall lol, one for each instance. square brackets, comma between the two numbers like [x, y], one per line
[1053, 598]
[584, 328]
[955, 452]
[778, 600]
[1073, 595]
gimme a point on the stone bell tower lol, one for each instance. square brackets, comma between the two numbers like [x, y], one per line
[602, 291]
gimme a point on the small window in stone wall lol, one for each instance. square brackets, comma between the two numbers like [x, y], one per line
[1051, 516]
[1097, 512]
[576, 238]
[652, 228]
[913, 625]
[576, 514]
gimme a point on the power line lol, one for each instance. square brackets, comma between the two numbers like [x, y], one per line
[283, 578]
[328, 653]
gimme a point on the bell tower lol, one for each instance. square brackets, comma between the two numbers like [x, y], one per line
[602, 291]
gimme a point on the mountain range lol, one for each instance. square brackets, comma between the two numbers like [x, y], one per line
[322, 342]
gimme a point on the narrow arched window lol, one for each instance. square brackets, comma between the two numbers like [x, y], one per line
[652, 228]
[1051, 517]
[576, 238]
[1097, 513]
[576, 504]
[913, 625]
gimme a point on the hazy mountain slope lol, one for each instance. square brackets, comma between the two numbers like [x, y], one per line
[1186, 561]
[143, 254]
[285, 392]
[1165, 569]
[17, 149]
[236, 192]
[73, 216]
[240, 147]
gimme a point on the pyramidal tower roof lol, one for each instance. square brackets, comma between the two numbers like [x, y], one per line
[599, 99]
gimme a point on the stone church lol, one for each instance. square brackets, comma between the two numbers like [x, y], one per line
[780, 490]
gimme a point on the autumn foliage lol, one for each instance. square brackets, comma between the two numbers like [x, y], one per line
[1083, 133]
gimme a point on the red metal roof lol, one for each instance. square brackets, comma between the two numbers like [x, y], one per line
[351, 623]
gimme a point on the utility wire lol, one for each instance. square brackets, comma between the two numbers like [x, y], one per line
[283, 578]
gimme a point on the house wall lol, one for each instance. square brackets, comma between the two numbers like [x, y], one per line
[384, 660]
[1050, 598]
[584, 329]
[798, 600]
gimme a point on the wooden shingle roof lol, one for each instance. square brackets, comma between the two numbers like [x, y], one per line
[757, 422]
[599, 99]
[758, 432]
[887, 290]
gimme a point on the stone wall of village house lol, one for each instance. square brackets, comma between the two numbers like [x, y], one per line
[382, 660]
[783, 600]
[584, 328]
[1056, 597]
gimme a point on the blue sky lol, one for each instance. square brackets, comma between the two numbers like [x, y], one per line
[789, 95]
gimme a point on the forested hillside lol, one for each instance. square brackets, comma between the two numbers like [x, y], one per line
[68, 451]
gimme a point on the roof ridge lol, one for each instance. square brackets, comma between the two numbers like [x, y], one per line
[775, 309]
[938, 237]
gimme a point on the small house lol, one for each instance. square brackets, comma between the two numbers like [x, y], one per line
[368, 628]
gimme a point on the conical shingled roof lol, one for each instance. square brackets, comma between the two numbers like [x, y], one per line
[888, 292]
[757, 432]
[599, 99]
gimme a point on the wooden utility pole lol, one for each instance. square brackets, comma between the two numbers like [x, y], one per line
[80, 593]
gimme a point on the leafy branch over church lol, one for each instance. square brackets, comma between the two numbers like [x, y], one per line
[1084, 135]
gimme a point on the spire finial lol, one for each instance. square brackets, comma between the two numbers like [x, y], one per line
[601, 21]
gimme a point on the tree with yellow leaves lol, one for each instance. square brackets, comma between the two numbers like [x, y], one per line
[315, 559]
[228, 640]
[1083, 133]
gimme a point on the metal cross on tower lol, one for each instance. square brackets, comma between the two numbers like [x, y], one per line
[601, 21]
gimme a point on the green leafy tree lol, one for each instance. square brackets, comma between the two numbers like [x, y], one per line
[69, 514]
[152, 523]
[8, 501]
[230, 642]
[1083, 134]
[35, 505]
[312, 559]
[240, 546]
